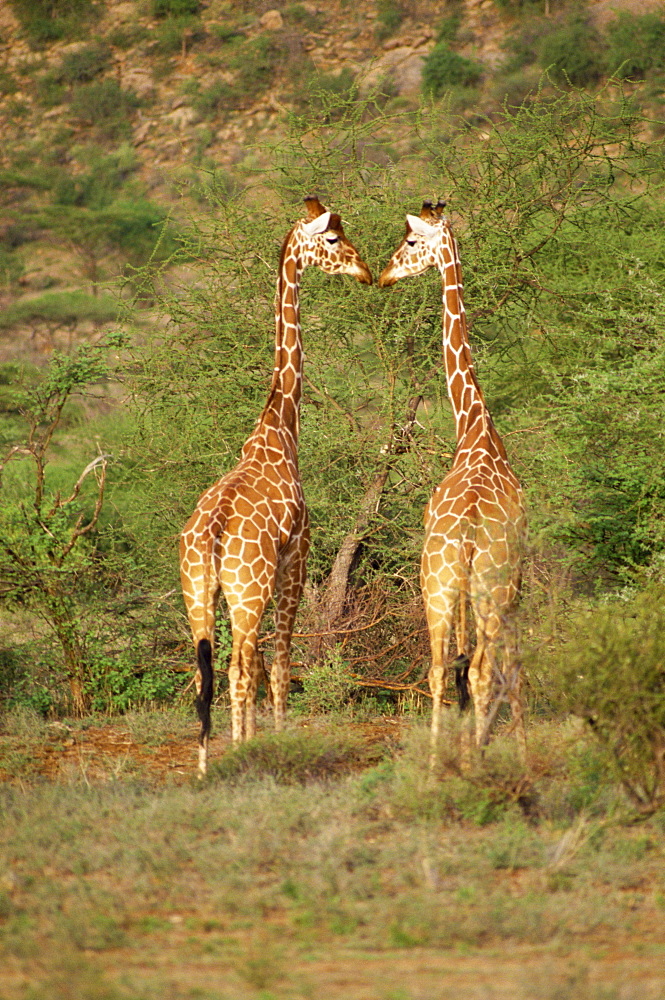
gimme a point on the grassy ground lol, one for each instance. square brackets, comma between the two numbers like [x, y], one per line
[321, 863]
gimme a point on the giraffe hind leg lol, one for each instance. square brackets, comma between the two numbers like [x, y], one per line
[204, 694]
[461, 667]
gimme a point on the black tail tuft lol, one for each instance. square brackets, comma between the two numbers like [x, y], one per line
[204, 697]
[461, 665]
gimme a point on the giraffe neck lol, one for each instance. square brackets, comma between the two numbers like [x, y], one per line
[472, 418]
[283, 404]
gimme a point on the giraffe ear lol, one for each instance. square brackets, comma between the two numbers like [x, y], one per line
[420, 227]
[317, 225]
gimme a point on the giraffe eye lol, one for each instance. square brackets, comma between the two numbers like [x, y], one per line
[411, 243]
[332, 239]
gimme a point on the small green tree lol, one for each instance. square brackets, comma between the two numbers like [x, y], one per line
[445, 68]
[612, 674]
[571, 54]
[44, 535]
[636, 45]
[49, 20]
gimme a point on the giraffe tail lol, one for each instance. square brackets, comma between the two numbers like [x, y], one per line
[461, 665]
[204, 696]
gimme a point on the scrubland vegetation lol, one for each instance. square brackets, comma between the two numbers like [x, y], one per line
[330, 842]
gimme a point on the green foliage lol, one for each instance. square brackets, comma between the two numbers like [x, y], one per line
[301, 16]
[449, 28]
[96, 207]
[172, 33]
[47, 21]
[523, 44]
[8, 83]
[327, 686]
[635, 44]
[217, 99]
[124, 36]
[123, 680]
[571, 54]
[60, 308]
[105, 105]
[443, 68]
[175, 8]
[557, 212]
[389, 16]
[297, 757]
[611, 674]
[257, 61]
[99, 180]
[326, 93]
[84, 64]
[44, 550]
[10, 269]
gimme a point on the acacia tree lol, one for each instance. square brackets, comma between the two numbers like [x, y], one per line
[544, 200]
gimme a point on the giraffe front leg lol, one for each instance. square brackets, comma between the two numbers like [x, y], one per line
[512, 670]
[250, 696]
[288, 591]
[437, 678]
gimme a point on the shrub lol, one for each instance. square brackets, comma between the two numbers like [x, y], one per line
[8, 84]
[126, 35]
[84, 65]
[570, 54]
[105, 105]
[50, 91]
[522, 46]
[636, 45]
[174, 8]
[257, 62]
[389, 16]
[612, 674]
[298, 14]
[173, 32]
[291, 758]
[61, 307]
[49, 20]
[327, 686]
[444, 69]
[448, 28]
[217, 99]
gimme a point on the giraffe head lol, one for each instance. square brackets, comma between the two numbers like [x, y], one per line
[321, 242]
[421, 246]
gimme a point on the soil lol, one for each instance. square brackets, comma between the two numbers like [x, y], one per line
[110, 750]
[623, 966]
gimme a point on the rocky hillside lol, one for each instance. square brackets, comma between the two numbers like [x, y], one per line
[109, 109]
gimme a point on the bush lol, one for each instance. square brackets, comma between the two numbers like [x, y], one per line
[84, 65]
[61, 308]
[523, 45]
[8, 84]
[571, 54]
[327, 686]
[389, 16]
[173, 32]
[296, 758]
[105, 105]
[49, 20]
[174, 8]
[612, 674]
[444, 69]
[636, 45]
